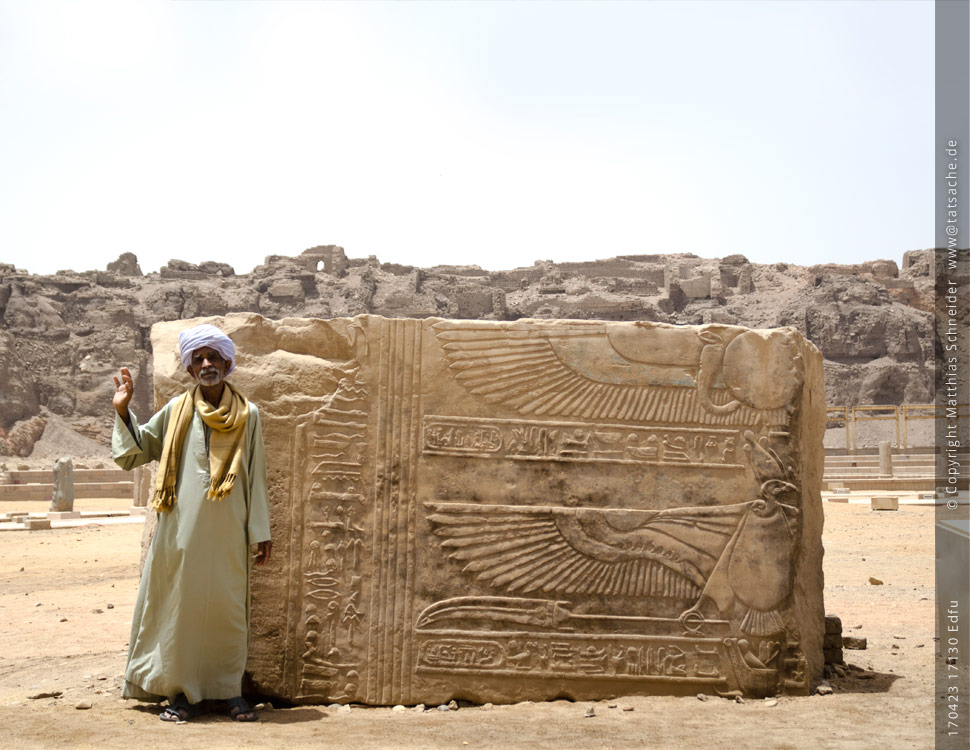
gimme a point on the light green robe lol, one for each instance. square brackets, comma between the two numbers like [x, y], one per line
[190, 630]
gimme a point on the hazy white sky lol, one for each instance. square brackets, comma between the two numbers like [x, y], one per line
[496, 133]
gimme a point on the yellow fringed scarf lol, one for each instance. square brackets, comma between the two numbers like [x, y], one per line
[227, 421]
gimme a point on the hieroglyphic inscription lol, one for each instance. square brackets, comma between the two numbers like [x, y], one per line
[331, 655]
[689, 660]
[452, 653]
[757, 668]
[529, 440]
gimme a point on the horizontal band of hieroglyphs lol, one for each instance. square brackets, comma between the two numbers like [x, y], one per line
[524, 440]
[672, 659]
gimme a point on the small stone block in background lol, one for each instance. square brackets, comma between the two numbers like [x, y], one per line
[884, 503]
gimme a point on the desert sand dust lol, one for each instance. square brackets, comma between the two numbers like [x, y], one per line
[66, 598]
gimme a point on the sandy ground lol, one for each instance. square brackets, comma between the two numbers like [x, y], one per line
[66, 598]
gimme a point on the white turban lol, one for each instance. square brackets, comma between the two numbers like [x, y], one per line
[206, 335]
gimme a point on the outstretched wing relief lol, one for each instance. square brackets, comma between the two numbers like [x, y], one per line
[587, 551]
[578, 370]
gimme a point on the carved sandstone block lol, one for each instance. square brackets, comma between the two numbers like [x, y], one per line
[499, 511]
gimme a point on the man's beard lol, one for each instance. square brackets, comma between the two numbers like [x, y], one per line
[210, 377]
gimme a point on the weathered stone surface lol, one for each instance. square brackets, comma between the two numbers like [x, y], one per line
[142, 483]
[22, 437]
[500, 511]
[126, 265]
[286, 289]
[62, 499]
[885, 458]
[62, 335]
[885, 502]
[18, 394]
[832, 640]
[63, 515]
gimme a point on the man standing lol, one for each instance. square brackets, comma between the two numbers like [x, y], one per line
[190, 631]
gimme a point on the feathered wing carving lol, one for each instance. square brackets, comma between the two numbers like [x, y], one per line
[522, 367]
[587, 551]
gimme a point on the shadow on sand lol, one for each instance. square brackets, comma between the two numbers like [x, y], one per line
[860, 680]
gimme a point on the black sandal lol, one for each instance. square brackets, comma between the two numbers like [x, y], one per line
[239, 710]
[181, 710]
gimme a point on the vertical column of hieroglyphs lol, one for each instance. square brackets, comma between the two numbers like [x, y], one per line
[327, 567]
[398, 350]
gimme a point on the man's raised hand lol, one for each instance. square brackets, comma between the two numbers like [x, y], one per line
[124, 387]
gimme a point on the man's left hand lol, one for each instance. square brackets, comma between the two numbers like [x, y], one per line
[263, 550]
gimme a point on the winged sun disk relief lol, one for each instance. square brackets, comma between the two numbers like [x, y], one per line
[588, 551]
[597, 371]
[731, 554]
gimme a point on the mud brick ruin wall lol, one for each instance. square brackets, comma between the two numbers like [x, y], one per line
[63, 335]
[509, 510]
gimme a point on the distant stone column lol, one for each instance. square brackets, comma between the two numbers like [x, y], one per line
[142, 486]
[62, 499]
[885, 458]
